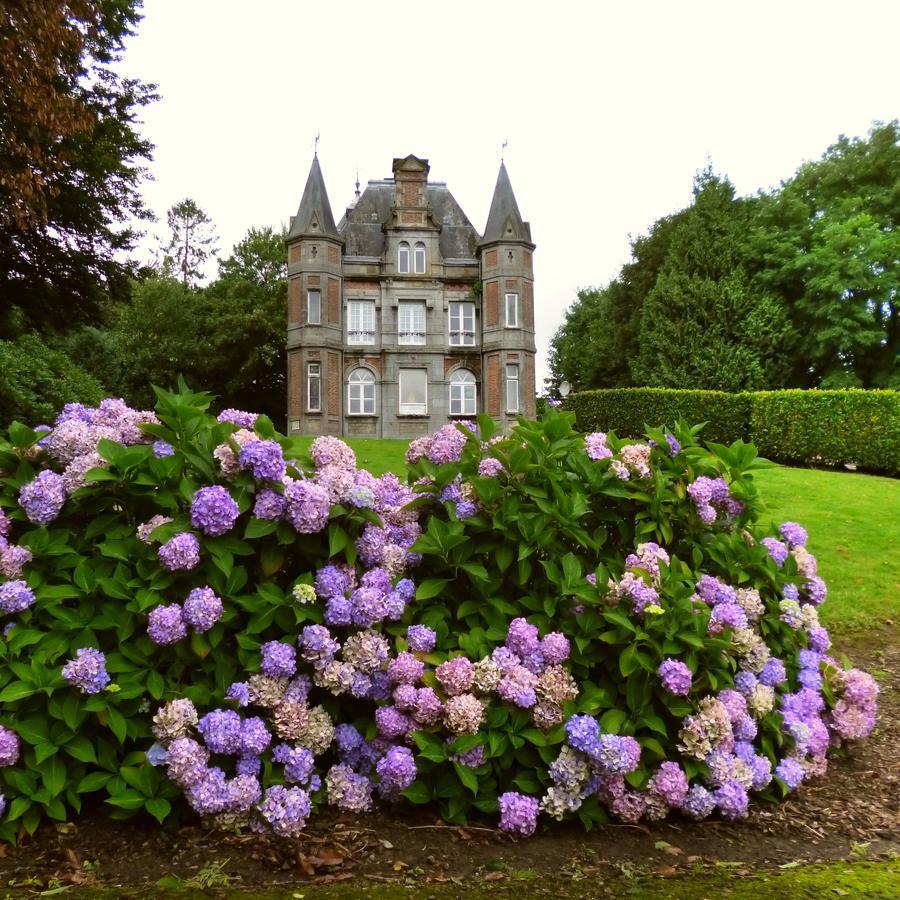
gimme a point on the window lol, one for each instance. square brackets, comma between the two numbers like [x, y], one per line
[413, 392]
[361, 393]
[314, 387]
[411, 325]
[512, 310]
[403, 258]
[462, 324]
[463, 393]
[420, 258]
[313, 307]
[361, 322]
[512, 388]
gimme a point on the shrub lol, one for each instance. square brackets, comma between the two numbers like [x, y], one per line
[629, 411]
[596, 626]
[829, 427]
[35, 381]
[800, 427]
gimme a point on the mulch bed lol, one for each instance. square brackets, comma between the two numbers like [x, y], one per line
[853, 812]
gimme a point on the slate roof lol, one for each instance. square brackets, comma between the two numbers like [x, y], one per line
[361, 227]
[314, 206]
[504, 220]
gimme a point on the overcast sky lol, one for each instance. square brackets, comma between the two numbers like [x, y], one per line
[609, 109]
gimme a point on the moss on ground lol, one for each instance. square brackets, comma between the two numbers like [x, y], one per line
[844, 879]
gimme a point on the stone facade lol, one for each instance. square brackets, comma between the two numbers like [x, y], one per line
[402, 317]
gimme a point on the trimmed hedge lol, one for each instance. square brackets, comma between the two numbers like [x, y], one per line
[828, 427]
[800, 427]
[628, 411]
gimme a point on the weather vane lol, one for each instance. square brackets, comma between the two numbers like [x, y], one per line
[316, 145]
[503, 150]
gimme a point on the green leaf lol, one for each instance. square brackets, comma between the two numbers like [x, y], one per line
[94, 781]
[18, 690]
[81, 749]
[53, 774]
[431, 587]
[418, 793]
[117, 724]
[612, 721]
[159, 808]
[466, 776]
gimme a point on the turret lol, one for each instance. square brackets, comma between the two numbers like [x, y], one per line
[506, 257]
[314, 312]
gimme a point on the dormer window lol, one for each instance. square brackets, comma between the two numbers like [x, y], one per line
[420, 258]
[403, 258]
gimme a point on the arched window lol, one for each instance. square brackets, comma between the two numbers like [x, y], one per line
[463, 393]
[420, 258]
[403, 258]
[361, 393]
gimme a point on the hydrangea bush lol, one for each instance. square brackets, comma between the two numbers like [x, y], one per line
[200, 617]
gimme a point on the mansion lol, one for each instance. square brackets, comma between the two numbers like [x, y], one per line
[402, 317]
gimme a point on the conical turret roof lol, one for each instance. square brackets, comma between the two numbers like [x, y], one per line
[504, 221]
[314, 215]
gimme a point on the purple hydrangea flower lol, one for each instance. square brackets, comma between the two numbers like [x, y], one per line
[317, 645]
[255, 736]
[166, 624]
[793, 533]
[670, 783]
[555, 648]
[815, 590]
[732, 801]
[264, 459]
[87, 671]
[392, 724]
[239, 691]
[299, 763]
[213, 510]
[699, 802]
[522, 637]
[396, 771]
[518, 813]
[583, 733]
[278, 660]
[181, 553]
[238, 417]
[269, 505]
[13, 559]
[285, 810]
[15, 596]
[307, 506]
[790, 772]
[9, 747]
[455, 675]
[490, 467]
[595, 444]
[405, 669]
[773, 672]
[162, 449]
[202, 609]
[676, 677]
[777, 550]
[420, 638]
[221, 730]
[43, 497]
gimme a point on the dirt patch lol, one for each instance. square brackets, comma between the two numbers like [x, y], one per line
[853, 812]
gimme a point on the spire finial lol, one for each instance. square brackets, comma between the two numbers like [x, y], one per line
[503, 151]
[357, 183]
[316, 146]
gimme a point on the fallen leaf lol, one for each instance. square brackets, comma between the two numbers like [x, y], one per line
[494, 876]
[399, 866]
[386, 844]
[672, 851]
[665, 871]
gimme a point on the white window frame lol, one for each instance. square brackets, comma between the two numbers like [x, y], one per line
[463, 393]
[460, 336]
[512, 321]
[412, 409]
[361, 321]
[403, 258]
[361, 393]
[512, 384]
[310, 319]
[313, 377]
[419, 258]
[411, 314]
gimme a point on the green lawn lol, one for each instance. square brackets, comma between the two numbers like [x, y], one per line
[853, 522]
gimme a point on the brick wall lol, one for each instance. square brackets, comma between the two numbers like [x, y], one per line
[295, 296]
[334, 255]
[490, 257]
[494, 388]
[334, 301]
[334, 385]
[295, 384]
[491, 303]
[294, 254]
